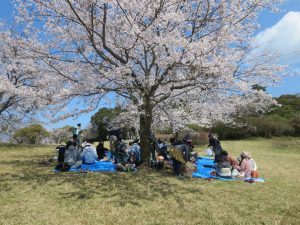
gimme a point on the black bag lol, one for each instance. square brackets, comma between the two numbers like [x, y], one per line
[61, 154]
[63, 167]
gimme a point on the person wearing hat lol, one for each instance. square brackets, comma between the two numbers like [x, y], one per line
[245, 166]
[89, 154]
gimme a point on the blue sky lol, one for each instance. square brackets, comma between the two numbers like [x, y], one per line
[278, 31]
[282, 32]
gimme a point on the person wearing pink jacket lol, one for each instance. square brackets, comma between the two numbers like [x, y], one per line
[245, 166]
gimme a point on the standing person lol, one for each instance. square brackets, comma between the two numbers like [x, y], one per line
[77, 132]
[89, 154]
[101, 150]
[216, 146]
[186, 147]
[176, 156]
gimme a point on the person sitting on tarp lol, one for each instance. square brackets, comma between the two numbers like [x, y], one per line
[246, 166]
[216, 146]
[71, 157]
[254, 172]
[101, 150]
[121, 157]
[89, 154]
[223, 166]
[233, 163]
[135, 152]
[123, 161]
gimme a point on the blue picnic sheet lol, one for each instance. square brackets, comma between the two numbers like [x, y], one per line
[98, 166]
[204, 167]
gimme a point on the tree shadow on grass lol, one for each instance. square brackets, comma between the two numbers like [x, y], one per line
[118, 188]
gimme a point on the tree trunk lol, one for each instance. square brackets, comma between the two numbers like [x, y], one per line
[176, 135]
[145, 133]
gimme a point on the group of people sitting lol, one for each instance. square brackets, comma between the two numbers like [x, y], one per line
[74, 154]
[181, 156]
[178, 154]
[227, 167]
[127, 158]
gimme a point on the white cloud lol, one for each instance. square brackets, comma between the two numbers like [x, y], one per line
[283, 37]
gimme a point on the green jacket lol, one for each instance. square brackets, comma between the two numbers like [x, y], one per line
[175, 152]
[121, 157]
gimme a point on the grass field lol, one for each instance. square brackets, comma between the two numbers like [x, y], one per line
[31, 194]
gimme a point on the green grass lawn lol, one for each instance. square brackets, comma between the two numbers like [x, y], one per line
[31, 194]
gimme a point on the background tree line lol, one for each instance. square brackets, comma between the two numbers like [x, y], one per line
[281, 120]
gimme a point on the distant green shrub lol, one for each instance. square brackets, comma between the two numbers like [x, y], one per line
[32, 134]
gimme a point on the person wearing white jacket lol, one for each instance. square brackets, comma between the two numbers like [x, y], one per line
[89, 154]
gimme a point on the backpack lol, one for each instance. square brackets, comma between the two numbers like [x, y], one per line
[188, 169]
[176, 153]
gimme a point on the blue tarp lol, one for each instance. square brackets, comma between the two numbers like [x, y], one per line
[204, 167]
[98, 166]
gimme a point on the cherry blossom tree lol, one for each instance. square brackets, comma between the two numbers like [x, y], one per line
[18, 78]
[60, 135]
[171, 60]
[26, 84]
